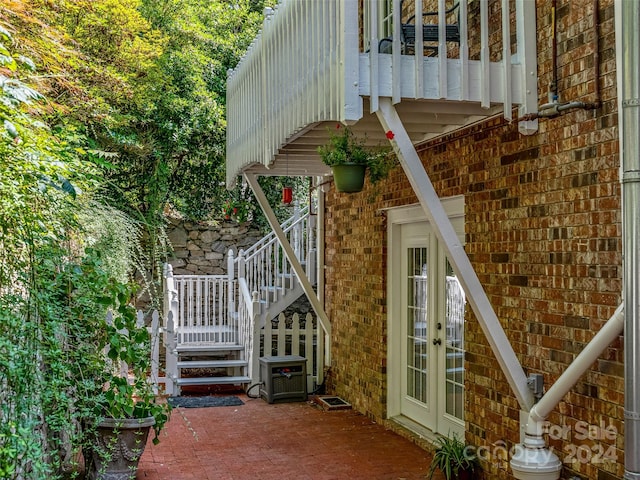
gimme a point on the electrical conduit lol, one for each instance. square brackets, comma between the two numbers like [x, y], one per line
[630, 128]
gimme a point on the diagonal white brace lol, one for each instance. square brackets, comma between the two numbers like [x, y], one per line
[458, 258]
[288, 250]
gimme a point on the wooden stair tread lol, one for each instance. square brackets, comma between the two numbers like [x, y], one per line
[213, 380]
[212, 363]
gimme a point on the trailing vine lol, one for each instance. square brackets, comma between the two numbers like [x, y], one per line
[56, 270]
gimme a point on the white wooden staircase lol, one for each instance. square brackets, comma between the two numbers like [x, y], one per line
[212, 322]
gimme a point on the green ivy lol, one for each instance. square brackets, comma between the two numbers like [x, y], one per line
[54, 292]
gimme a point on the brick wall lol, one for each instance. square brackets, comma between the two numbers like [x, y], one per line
[543, 233]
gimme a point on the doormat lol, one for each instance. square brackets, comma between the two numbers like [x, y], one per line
[201, 402]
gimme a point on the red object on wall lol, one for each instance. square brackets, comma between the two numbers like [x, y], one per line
[287, 195]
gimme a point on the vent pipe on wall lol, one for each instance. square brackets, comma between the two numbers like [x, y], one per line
[629, 101]
[533, 459]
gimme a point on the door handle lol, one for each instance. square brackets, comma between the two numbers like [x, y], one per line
[437, 341]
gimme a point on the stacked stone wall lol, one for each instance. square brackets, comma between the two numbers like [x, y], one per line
[201, 249]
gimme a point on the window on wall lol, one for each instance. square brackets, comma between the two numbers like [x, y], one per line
[385, 20]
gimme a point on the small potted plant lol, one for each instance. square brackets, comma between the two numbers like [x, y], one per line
[454, 458]
[349, 159]
[127, 407]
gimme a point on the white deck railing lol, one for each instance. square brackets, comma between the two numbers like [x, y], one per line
[309, 64]
[294, 74]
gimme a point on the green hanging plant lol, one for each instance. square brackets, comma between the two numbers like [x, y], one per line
[344, 148]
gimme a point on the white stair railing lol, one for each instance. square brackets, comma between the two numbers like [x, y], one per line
[203, 310]
[265, 267]
[248, 312]
[225, 309]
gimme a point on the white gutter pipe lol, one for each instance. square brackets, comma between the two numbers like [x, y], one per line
[533, 459]
[630, 128]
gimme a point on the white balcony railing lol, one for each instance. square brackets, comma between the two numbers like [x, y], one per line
[317, 61]
[294, 74]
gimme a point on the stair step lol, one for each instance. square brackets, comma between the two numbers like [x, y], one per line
[272, 289]
[212, 363]
[208, 348]
[213, 380]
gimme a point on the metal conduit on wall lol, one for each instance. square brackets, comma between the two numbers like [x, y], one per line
[630, 113]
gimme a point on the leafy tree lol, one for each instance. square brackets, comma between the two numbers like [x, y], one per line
[50, 290]
[109, 110]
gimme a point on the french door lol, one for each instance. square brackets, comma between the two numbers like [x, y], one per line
[428, 337]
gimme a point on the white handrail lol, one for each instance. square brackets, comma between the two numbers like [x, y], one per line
[299, 215]
[225, 309]
[266, 269]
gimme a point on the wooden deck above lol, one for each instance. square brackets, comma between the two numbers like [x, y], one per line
[309, 68]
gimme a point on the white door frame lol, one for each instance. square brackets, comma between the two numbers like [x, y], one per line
[396, 217]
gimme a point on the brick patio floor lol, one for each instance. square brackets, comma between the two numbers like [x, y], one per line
[287, 441]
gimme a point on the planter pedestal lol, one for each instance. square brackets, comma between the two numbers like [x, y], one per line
[119, 446]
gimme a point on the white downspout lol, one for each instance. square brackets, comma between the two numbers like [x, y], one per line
[533, 459]
[320, 278]
[629, 101]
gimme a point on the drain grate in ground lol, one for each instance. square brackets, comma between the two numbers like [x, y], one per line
[332, 403]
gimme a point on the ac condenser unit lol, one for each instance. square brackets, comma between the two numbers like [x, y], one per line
[284, 378]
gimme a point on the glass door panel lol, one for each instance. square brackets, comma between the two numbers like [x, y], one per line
[455, 303]
[417, 328]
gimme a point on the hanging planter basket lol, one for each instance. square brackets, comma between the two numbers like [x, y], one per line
[349, 177]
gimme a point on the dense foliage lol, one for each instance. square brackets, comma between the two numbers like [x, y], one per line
[111, 112]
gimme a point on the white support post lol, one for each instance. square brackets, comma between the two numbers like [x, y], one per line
[170, 387]
[526, 37]
[254, 363]
[464, 52]
[506, 61]
[286, 247]
[418, 51]
[320, 353]
[296, 233]
[231, 299]
[155, 350]
[374, 40]
[455, 253]
[241, 265]
[308, 350]
[396, 60]
[311, 248]
[167, 276]
[485, 59]
[349, 45]
[442, 49]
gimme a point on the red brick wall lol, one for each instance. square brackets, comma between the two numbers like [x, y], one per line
[543, 233]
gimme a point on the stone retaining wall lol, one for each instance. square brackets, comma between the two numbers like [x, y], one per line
[201, 249]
